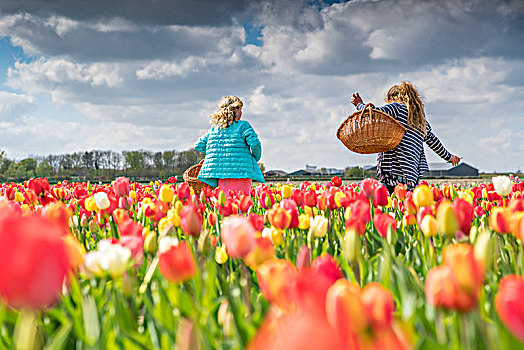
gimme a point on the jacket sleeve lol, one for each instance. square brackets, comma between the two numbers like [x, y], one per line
[201, 143]
[252, 141]
[434, 143]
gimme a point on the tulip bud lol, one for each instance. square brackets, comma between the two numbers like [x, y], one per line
[351, 246]
[378, 303]
[238, 235]
[150, 244]
[423, 196]
[221, 255]
[508, 303]
[319, 226]
[262, 251]
[191, 221]
[447, 222]
[429, 226]
[483, 248]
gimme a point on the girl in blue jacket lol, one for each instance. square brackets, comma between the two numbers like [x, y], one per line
[232, 149]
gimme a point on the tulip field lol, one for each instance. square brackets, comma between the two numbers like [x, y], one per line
[310, 266]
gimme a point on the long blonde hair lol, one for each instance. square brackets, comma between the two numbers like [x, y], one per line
[407, 93]
[225, 115]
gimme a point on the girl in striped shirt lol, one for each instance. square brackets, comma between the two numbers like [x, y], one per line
[406, 162]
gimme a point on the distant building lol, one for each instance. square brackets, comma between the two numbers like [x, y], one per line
[305, 172]
[446, 169]
[275, 173]
[442, 169]
[311, 167]
[333, 171]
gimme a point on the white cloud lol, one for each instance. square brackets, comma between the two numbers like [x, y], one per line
[14, 106]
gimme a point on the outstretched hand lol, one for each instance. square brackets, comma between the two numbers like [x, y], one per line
[454, 160]
[356, 99]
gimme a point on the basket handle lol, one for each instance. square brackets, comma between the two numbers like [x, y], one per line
[370, 105]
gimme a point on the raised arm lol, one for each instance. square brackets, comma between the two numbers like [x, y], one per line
[201, 143]
[252, 141]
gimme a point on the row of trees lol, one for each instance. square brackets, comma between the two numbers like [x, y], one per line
[100, 165]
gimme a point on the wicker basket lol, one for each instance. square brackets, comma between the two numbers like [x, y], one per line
[191, 177]
[371, 132]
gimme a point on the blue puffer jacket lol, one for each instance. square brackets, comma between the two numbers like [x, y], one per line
[231, 153]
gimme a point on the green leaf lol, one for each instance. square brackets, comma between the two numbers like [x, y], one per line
[91, 322]
[431, 344]
[59, 338]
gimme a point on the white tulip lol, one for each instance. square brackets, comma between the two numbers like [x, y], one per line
[101, 200]
[165, 243]
[502, 185]
[319, 225]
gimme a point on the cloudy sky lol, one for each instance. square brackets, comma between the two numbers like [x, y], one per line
[145, 74]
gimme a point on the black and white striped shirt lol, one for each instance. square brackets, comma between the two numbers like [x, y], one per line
[406, 162]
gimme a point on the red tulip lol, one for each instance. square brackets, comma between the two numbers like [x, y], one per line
[246, 202]
[380, 196]
[177, 264]
[121, 186]
[183, 191]
[34, 261]
[327, 266]
[508, 303]
[190, 221]
[336, 181]
[355, 224]
[464, 212]
[290, 206]
[368, 186]
[257, 221]
[310, 198]
[383, 222]
[130, 228]
[298, 196]
[172, 180]
[361, 209]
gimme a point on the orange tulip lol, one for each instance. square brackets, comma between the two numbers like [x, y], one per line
[378, 303]
[177, 263]
[276, 280]
[262, 251]
[345, 308]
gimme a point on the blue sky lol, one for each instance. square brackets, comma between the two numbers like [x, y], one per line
[78, 75]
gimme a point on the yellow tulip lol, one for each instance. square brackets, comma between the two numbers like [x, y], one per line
[423, 196]
[428, 226]
[19, 197]
[165, 194]
[276, 236]
[173, 217]
[132, 194]
[286, 191]
[25, 208]
[147, 200]
[221, 254]
[178, 206]
[466, 195]
[90, 204]
[338, 197]
[303, 221]
[447, 222]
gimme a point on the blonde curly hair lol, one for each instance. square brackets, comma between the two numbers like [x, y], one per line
[407, 93]
[225, 114]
